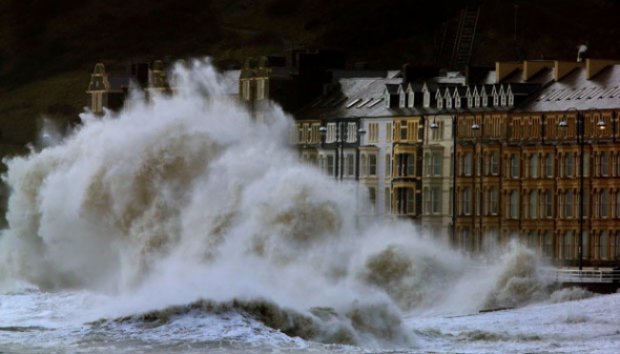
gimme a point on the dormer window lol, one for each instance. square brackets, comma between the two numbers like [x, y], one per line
[496, 99]
[427, 99]
[410, 98]
[485, 101]
[457, 102]
[510, 96]
[470, 98]
[502, 95]
[448, 99]
[439, 99]
[402, 98]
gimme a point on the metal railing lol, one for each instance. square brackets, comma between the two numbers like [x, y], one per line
[587, 275]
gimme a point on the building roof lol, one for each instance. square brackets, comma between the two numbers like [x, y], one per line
[575, 91]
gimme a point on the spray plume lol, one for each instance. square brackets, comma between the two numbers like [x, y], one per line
[186, 197]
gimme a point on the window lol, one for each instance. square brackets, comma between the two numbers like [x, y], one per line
[466, 205]
[586, 164]
[372, 165]
[260, 89]
[410, 201]
[548, 211]
[568, 204]
[467, 161]
[603, 204]
[364, 165]
[534, 166]
[617, 246]
[351, 132]
[373, 132]
[372, 195]
[402, 98]
[435, 200]
[331, 133]
[604, 164]
[534, 205]
[532, 240]
[246, 90]
[437, 133]
[350, 163]
[388, 132]
[547, 244]
[618, 204]
[410, 99]
[569, 160]
[568, 250]
[493, 201]
[494, 163]
[603, 245]
[514, 166]
[586, 204]
[404, 200]
[514, 205]
[387, 200]
[330, 165]
[403, 130]
[586, 244]
[436, 163]
[410, 164]
[427, 99]
[549, 165]
[388, 165]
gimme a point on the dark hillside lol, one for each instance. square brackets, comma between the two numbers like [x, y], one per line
[48, 48]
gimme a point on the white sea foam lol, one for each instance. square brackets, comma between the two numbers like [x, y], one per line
[187, 197]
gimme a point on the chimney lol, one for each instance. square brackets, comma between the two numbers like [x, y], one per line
[531, 67]
[503, 69]
[595, 66]
[561, 68]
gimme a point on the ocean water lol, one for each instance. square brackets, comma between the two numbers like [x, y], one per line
[184, 225]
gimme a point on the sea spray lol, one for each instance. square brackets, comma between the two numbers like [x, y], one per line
[186, 197]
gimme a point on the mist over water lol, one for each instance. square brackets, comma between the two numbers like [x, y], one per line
[185, 205]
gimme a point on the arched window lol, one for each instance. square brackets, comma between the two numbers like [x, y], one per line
[549, 165]
[514, 166]
[534, 204]
[467, 164]
[569, 165]
[514, 205]
[534, 166]
[547, 239]
[604, 165]
[604, 204]
[568, 249]
[603, 243]
[568, 204]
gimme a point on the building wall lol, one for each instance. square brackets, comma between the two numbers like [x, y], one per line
[541, 184]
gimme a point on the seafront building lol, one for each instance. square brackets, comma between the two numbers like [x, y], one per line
[527, 150]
